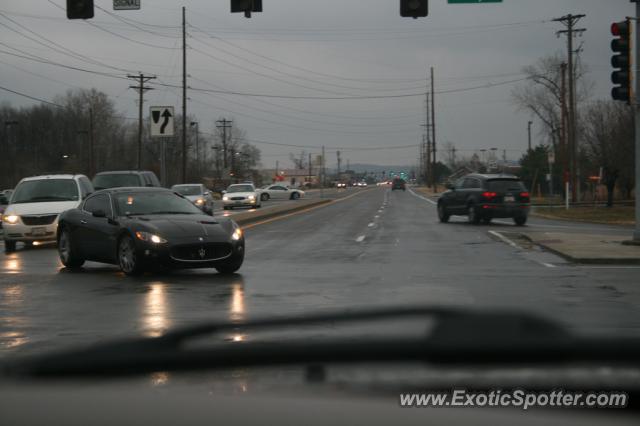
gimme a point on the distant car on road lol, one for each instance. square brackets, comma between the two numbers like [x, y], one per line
[36, 205]
[241, 195]
[485, 197]
[398, 184]
[137, 228]
[123, 178]
[198, 194]
[280, 192]
[341, 185]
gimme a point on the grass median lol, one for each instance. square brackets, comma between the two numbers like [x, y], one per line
[616, 215]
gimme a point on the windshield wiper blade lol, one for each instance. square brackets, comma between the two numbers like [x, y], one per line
[458, 337]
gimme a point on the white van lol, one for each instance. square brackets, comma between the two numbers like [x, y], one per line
[36, 203]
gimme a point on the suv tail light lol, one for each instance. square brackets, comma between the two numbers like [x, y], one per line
[489, 195]
[525, 195]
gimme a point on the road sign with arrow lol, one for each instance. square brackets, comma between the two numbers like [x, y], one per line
[162, 121]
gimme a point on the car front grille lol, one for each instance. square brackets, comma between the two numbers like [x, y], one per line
[201, 252]
[237, 198]
[39, 220]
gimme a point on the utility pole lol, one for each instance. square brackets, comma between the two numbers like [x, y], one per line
[225, 124]
[184, 95]
[529, 132]
[433, 132]
[564, 151]
[339, 163]
[310, 178]
[323, 175]
[141, 88]
[569, 22]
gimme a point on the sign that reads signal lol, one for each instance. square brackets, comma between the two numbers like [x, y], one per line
[126, 4]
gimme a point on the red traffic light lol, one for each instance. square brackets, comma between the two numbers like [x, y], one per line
[620, 29]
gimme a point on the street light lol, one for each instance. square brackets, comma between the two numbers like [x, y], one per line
[529, 132]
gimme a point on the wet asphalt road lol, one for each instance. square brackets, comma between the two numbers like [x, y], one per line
[371, 248]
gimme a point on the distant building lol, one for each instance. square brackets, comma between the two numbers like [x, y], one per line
[291, 177]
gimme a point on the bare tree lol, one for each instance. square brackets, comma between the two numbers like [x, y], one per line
[609, 143]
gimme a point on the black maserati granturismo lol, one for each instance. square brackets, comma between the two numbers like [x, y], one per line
[139, 228]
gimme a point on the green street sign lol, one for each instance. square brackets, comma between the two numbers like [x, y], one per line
[473, 1]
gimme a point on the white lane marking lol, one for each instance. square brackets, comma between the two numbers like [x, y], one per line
[376, 216]
[371, 225]
[548, 265]
[504, 239]
[422, 198]
[360, 239]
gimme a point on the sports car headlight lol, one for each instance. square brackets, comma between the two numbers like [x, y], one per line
[11, 219]
[237, 234]
[200, 201]
[225, 198]
[149, 237]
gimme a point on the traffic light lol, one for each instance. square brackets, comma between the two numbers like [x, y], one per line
[79, 9]
[622, 76]
[246, 6]
[414, 8]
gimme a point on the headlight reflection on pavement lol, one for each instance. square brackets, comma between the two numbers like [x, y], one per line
[155, 319]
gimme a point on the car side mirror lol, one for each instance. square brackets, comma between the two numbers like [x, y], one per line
[99, 213]
[451, 186]
[206, 193]
[224, 192]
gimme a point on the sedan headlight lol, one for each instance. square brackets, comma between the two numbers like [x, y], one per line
[251, 197]
[149, 237]
[225, 198]
[11, 218]
[200, 201]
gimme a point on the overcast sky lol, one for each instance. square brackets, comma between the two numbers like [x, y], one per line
[312, 49]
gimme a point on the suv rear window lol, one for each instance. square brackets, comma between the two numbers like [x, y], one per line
[504, 185]
[116, 180]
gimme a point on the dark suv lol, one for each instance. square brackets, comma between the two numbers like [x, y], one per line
[398, 184]
[484, 197]
[122, 178]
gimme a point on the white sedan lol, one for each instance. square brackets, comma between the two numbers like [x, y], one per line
[280, 192]
[241, 195]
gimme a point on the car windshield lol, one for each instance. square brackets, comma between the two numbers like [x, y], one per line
[43, 190]
[150, 203]
[240, 188]
[116, 180]
[505, 185]
[187, 189]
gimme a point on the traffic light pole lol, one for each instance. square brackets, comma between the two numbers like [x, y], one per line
[636, 105]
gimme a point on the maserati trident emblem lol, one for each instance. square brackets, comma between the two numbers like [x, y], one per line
[202, 252]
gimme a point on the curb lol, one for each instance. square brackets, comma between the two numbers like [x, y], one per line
[583, 260]
[564, 219]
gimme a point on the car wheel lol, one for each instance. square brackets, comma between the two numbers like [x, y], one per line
[295, 196]
[520, 220]
[264, 197]
[232, 264]
[67, 252]
[473, 216]
[127, 256]
[442, 213]
[9, 246]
